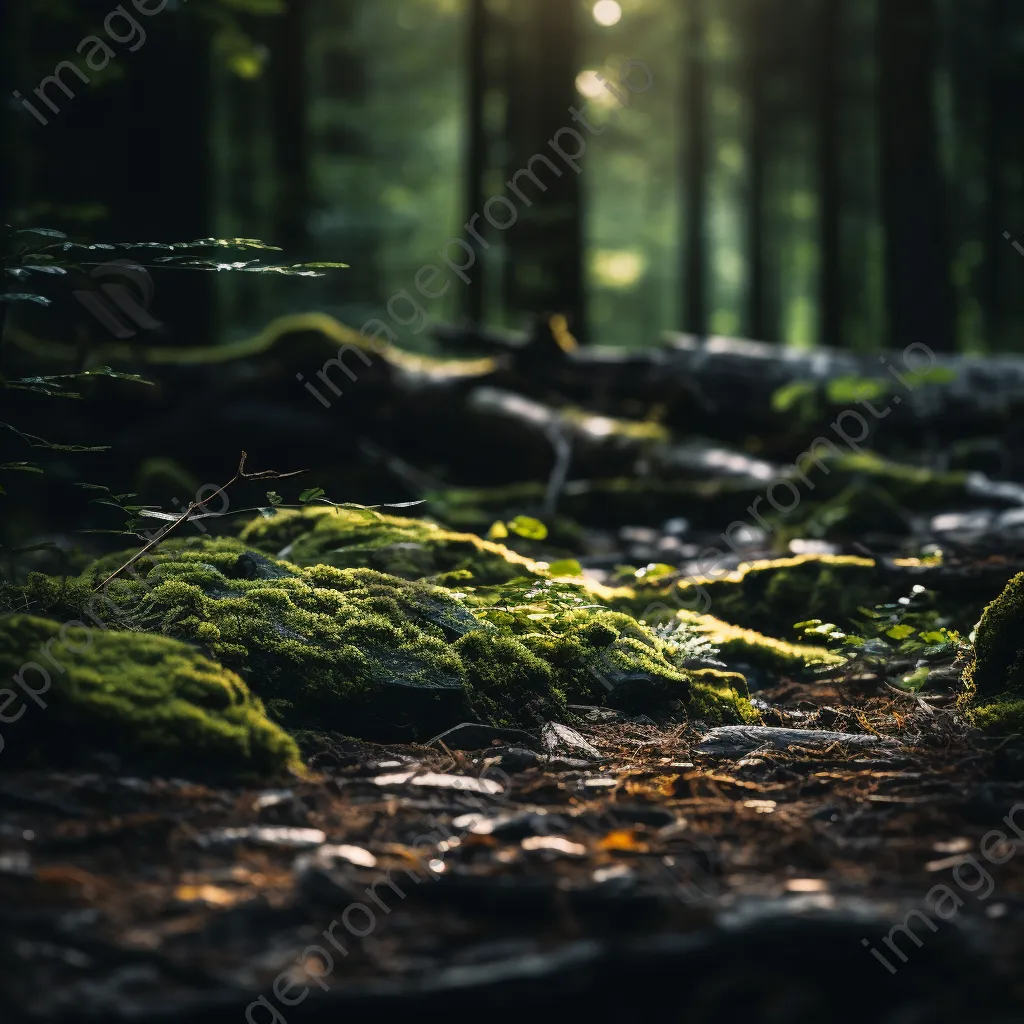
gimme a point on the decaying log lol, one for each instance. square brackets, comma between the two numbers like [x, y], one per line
[723, 387]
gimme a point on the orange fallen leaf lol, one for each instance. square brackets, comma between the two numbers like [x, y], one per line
[211, 895]
[624, 840]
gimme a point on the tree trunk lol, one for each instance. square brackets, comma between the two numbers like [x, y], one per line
[918, 289]
[476, 147]
[1000, 118]
[756, 85]
[695, 163]
[829, 100]
[290, 114]
[545, 239]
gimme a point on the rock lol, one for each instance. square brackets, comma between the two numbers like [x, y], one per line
[514, 826]
[560, 739]
[727, 740]
[265, 836]
[517, 759]
[435, 780]
[251, 565]
[331, 855]
[557, 846]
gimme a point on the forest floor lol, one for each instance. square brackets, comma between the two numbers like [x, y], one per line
[858, 861]
[761, 882]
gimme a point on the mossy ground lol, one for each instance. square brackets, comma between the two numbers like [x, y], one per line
[371, 654]
[410, 548]
[156, 703]
[741, 647]
[771, 596]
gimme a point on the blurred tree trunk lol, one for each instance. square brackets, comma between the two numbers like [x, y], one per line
[11, 112]
[1000, 119]
[342, 142]
[757, 156]
[695, 164]
[476, 145]
[829, 111]
[544, 268]
[290, 95]
[149, 163]
[918, 288]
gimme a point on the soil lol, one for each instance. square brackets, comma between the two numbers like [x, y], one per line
[757, 887]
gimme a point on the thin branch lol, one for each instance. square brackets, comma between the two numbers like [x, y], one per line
[240, 476]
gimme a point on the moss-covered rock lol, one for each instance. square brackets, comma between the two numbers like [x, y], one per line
[348, 649]
[410, 548]
[603, 656]
[998, 663]
[770, 596]
[993, 694]
[155, 702]
[365, 653]
[743, 648]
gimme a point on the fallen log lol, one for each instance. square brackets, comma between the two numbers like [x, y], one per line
[730, 388]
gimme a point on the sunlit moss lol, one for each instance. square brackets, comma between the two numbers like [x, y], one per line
[770, 596]
[155, 702]
[366, 653]
[993, 680]
[739, 646]
[1001, 717]
[410, 548]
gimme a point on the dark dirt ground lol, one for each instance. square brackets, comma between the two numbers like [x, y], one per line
[655, 877]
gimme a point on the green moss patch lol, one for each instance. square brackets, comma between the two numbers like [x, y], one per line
[1001, 717]
[369, 654]
[410, 548]
[746, 647]
[770, 596]
[993, 693]
[155, 702]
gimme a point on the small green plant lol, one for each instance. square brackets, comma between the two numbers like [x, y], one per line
[541, 604]
[896, 640]
[522, 526]
[687, 646]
